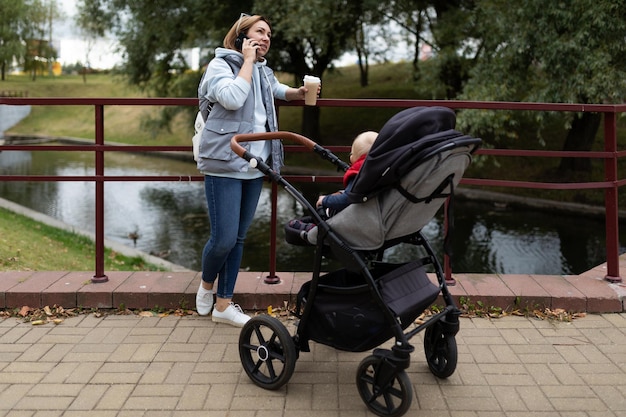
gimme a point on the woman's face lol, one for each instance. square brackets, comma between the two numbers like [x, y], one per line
[261, 33]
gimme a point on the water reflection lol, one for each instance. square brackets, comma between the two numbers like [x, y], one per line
[170, 219]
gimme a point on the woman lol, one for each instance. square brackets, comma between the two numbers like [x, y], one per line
[242, 89]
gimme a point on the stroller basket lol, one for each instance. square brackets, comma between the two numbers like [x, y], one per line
[345, 314]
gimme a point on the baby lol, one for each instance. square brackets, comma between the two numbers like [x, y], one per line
[336, 202]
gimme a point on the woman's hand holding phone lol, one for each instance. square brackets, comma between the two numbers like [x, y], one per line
[250, 49]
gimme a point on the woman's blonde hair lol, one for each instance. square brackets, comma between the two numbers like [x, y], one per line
[243, 24]
[363, 143]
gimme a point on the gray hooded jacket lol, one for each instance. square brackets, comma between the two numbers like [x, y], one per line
[221, 86]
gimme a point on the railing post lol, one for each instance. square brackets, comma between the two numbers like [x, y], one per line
[611, 199]
[99, 185]
[447, 265]
[272, 278]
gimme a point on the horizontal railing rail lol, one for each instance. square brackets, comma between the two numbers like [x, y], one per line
[610, 156]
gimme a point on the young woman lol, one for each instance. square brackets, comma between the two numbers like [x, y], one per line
[242, 90]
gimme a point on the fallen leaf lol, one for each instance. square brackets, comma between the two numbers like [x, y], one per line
[24, 311]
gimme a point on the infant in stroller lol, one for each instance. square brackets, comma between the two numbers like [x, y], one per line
[331, 204]
[334, 203]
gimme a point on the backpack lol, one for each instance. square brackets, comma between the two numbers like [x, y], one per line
[205, 107]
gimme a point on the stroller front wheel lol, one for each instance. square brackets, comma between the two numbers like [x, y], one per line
[441, 351]
[386, 392]
[267, 352]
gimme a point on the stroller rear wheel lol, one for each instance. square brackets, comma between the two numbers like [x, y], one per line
[386, 391]
[441, 351]
[267, 351]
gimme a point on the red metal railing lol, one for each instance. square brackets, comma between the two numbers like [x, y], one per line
[610, 155]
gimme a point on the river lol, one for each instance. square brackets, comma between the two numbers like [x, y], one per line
[170, 219]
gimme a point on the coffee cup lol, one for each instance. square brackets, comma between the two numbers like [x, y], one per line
[312, 84]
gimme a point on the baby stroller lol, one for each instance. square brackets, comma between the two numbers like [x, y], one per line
[411, 169]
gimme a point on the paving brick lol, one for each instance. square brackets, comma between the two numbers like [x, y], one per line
[248, 293]
[115, 396]
[12, 394]
[133, 292]
[88, 397]
[488, 289]
[529, 295]
[193, 397]
[29, 289]
[564, 295]
[168, 291]
[9, 280]
[63, 291]
[40, 403]
[457, 291]
[100, 295]
[600, 296]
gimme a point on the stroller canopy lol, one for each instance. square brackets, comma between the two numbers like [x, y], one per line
[400, 145]
[413, 166]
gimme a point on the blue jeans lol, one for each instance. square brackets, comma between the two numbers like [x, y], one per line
[231, 203]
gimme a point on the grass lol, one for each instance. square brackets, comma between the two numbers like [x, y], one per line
[29, 245]
[123, 124]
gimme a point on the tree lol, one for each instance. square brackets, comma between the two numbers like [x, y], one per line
[91, 21]
[12, 28]
[559, 52]
[309, 36]
[153, 33]
[26, 34]
[450, 31]
[411, 16]
[445, 26]
[371, 38]
[38, 36]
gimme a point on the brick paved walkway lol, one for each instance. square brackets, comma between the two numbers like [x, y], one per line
[188, 366]
[136, 366]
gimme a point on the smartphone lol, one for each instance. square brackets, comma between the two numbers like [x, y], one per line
[239, 41]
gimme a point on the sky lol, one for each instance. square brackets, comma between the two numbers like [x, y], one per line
[73, 48]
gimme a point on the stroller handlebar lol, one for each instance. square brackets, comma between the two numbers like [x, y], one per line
[249, 137]
[294, 137]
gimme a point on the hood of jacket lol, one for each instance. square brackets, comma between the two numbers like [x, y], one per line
[235, 56]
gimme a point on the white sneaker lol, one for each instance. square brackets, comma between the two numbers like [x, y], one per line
[232, 315]
[204, 301]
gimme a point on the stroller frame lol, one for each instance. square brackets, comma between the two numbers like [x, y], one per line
[268, 351]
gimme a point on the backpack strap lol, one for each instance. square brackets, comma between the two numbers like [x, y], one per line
[203, 103]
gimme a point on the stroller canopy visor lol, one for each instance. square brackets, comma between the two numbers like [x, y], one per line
[399, 145]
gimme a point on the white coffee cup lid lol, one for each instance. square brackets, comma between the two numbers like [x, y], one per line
[311, 79]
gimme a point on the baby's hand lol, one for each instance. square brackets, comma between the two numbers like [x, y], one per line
[319, 201]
